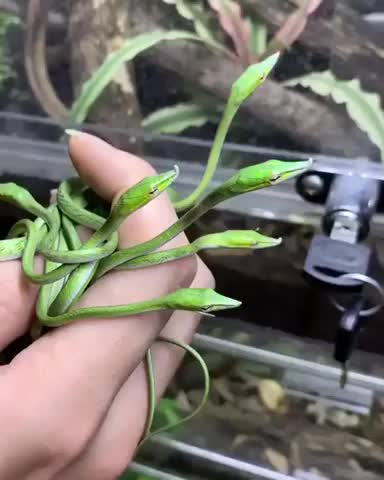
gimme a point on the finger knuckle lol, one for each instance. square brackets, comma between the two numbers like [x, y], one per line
[51, 444]
[56, 450]
[48, 452]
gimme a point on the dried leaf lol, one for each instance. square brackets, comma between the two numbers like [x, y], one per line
[235, 25]
[278, 461]
[355, 465]
[239, 440]
[296, 23]
[293, 26]
[221, 385]
[312, 5]
[183, 402]
[342, 419]
[365, 442]
[271, 394]
[249, 405]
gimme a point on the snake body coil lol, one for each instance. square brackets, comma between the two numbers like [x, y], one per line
[70, 265]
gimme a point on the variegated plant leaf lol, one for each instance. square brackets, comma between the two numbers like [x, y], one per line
[196, 13]
[132, 47]
[176, 119]
[258, 38]
[364, 108]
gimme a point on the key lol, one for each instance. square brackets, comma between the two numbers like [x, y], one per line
[344, 375]
[347, 334]
[328, 259]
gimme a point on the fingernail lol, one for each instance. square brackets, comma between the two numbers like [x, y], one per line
[71, 132]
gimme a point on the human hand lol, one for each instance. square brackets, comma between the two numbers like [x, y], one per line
[73, 405]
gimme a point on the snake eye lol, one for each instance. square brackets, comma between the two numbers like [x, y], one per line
[275, 178]
[153, 191]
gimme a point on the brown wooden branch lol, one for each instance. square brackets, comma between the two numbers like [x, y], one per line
[94, 32]
[307, 121]
[96, 29]
[55, 19]
[351, 44]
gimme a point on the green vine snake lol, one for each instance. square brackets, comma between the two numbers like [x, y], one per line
[71, 266]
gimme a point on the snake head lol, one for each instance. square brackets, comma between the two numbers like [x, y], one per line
[16, 195]
[271, 172]
[144, 191]
[252, 78]
[244, 239]
[204, 300]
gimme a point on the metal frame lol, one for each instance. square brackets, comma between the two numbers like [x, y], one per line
[266, 357]
[48, 161]
[219, 459]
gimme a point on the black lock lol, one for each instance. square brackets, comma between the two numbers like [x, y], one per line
[328, 259]
[351, 201]
[350, 204]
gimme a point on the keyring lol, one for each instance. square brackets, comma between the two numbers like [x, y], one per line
[368, 281]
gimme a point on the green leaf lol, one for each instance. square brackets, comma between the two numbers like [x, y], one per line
[364, 108]
[176, 119]
[132, 47]
[166, 413]
[195, 12]
[7, 20]
[258, 37]
[129, 475]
